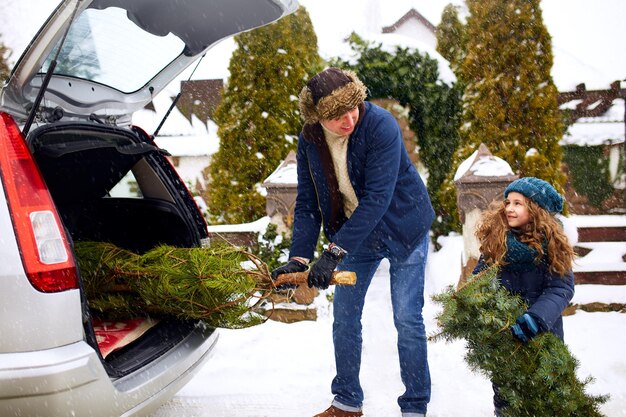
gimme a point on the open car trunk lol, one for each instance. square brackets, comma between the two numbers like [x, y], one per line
[114, 185]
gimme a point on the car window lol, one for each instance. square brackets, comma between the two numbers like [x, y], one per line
[102, 44]
[128, 187]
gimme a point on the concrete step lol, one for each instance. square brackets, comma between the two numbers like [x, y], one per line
[600, 263]
[603, 228]
[602, 234]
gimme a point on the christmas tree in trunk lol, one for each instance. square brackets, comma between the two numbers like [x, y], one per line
[536, 379]
[222, 285]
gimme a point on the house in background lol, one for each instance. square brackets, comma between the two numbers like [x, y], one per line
[597, 120]
[415, 26]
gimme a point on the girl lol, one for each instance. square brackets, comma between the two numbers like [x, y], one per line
[523, 237]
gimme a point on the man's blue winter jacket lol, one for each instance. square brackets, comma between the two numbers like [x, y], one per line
[394, 207]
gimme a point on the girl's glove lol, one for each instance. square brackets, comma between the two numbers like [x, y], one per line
[525, 328]
[322, 271]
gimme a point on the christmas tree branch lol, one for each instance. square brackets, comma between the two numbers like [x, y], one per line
[535, 379]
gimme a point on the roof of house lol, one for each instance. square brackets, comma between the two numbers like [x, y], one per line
[606, 129]
[200, 97]
[590, 103]
[595, 117]
[411, 14]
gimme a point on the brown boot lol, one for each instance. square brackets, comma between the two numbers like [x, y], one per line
[337, 412]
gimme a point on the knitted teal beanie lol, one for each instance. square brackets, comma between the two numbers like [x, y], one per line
[539, 191]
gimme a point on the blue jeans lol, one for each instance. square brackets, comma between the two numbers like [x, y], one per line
[407, 298]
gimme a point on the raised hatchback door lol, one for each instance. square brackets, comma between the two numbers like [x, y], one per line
[119, 53]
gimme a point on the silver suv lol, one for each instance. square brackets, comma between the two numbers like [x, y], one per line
[73, 168]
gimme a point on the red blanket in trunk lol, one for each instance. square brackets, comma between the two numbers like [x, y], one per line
[113, 335]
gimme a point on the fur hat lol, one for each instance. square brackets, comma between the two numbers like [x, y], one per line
[538, 191]
[329, 94]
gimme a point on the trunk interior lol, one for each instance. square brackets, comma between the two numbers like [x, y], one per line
[112, 185]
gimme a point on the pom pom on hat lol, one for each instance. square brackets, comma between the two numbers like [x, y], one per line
[539, 191]
[330, 94]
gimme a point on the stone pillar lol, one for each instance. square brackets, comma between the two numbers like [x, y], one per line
[479, 180]
[281, 188]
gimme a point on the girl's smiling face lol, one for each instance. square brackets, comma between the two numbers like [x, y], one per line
[516, 210]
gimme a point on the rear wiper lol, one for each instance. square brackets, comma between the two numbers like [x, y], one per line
[46, 79]
[156, 132]
[94, 118]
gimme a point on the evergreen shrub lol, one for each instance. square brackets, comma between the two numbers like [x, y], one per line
[413, 79]
[589, 172]
[258, 118]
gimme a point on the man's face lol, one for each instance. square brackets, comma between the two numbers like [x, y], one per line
[344, 124]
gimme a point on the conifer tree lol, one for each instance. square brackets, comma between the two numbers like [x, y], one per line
[208, 283]
[452, 45]
[258, 117]
[452, 37]
[412, 78]
[510, 100]
[4, 65]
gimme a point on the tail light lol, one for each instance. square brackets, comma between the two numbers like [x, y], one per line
[41, 238]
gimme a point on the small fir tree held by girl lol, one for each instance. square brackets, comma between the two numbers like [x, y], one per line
[527, 242]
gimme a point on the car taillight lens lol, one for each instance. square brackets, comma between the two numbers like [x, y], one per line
[41, 238]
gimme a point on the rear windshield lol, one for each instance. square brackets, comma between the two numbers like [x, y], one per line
[102, 44]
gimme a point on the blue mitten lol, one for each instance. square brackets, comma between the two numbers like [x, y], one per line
[525, 328]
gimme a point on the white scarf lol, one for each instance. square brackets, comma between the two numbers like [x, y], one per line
[338, 146]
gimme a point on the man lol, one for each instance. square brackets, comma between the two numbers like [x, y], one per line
[355, 178]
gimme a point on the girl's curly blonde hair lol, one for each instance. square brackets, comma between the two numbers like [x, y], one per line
[542, 227]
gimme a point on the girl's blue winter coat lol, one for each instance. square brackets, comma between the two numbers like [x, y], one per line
[546, 294]
[394, 208]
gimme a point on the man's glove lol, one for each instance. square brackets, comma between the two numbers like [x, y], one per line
[525, 328]
[288, 268]
[322, 271]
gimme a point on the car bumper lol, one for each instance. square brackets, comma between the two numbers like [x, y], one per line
[33, 373]
[71, 381]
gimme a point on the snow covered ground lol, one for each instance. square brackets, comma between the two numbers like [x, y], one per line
[285, 370]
